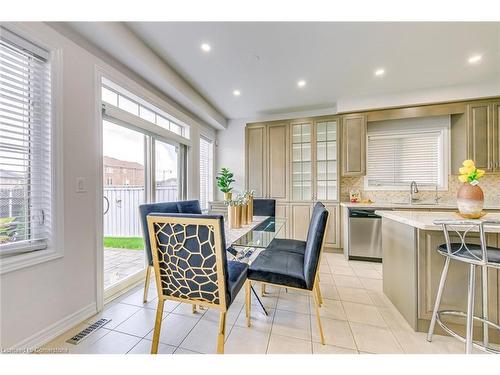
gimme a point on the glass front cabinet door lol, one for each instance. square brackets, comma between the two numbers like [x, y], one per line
[301, 162]
[326, 161]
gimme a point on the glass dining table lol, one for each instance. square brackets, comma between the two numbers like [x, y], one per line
[246, 243]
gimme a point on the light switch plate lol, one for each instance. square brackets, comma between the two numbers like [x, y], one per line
[81, 185]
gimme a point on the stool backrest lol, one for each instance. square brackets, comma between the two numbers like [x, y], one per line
[189, 257]
[463, 229]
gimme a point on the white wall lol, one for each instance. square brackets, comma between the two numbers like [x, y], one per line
[36, 301]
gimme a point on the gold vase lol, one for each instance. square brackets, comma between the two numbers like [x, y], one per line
[250, 210]
[244, 215]
[228, 196]
[234, 217]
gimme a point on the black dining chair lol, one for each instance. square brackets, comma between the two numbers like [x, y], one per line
[264, 207]
[183, 207]
[190, 263]
[293, 269]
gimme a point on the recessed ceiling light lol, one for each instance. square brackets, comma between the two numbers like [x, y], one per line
[475, 59]
[236, 92]
[301, 83]
[205, 47]
[379, 72]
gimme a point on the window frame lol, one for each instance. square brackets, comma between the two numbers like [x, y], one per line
[55, 248]
[209, 139]
[443, 161]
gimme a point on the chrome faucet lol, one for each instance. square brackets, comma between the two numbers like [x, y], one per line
[413, 190]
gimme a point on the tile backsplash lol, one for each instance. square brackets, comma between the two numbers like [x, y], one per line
[489, 183]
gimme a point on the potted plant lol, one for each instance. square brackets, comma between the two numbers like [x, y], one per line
[233, 213]
[470, 197]
[224, 181]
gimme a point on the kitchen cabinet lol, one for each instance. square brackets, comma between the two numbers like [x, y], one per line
[256, 160]
[483, 132]
[354, 145]
[300, 166]
[278, 164]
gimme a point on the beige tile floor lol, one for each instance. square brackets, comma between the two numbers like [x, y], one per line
[357, 318]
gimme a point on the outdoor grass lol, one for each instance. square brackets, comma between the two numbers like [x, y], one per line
[131, 243]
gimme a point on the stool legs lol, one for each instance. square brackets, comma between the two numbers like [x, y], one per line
[470, 310]
[484, 274]
[442, 281]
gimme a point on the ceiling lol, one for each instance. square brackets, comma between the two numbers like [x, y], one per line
[337, 60]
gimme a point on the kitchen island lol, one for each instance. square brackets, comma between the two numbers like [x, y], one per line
[412, 269]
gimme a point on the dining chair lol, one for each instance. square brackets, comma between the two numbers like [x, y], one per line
[183, 207]
[296, 247]
[190, 263]
[264, 207]
[288, 269]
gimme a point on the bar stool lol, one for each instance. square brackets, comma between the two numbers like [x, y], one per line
[476, 255]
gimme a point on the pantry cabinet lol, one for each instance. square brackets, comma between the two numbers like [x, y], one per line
[300, 166]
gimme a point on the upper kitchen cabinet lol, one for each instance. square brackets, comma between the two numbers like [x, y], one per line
[354, 145]
[482, 135]
[327, 180]
[301, 161]
[278, 163]
[256, 152]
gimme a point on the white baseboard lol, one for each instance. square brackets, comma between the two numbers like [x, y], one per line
[58, 328]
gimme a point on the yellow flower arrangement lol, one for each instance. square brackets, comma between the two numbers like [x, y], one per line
[469, 173]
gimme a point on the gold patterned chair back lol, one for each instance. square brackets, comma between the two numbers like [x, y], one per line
[189, 257]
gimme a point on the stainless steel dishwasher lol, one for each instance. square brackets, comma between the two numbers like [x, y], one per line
[365, 235]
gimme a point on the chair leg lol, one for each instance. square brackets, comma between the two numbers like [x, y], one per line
[193, 308]
[484, 274]
[262, 289]
[316, 304]
[442, 281]
[470, 310]
[222, 333]
[157, 329]
[146, 283]
[248, 301]
[318, 289]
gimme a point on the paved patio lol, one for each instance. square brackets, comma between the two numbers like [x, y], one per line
[121, 263]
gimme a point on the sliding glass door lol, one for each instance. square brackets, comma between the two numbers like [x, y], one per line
[137, 168]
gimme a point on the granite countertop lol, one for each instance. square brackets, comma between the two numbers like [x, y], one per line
[425, 220]
[488, 205]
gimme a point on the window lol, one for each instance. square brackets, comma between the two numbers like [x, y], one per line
[119, 97]
[396, 158]
[206, 172]
[26, 220]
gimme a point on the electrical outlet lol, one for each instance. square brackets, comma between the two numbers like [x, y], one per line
[81, 185]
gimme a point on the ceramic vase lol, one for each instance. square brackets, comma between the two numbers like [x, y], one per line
[470, 201]
[234, 216]
[250, 210]
[228, 196]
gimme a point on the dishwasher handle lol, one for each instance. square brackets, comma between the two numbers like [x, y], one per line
[370, 214]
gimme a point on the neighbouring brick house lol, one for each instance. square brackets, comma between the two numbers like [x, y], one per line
[122, 173]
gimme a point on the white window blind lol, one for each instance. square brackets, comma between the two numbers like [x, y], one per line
[394, 161]
[25, 146]
[206, 172]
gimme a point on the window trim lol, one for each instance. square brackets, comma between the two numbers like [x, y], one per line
[444, 155]
[55, 250]
[212, 141]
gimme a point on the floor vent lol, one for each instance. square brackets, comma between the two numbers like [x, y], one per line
[75, 340]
